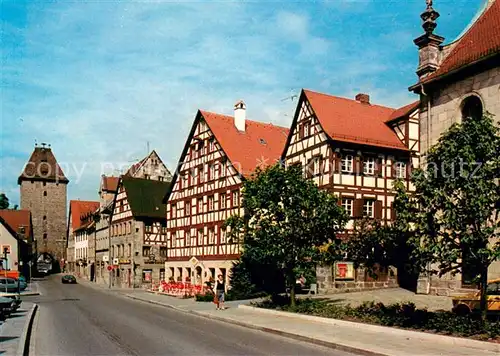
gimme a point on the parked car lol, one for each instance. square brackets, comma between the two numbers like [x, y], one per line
[68, 278]
[468, 303]
[7, 306]
[14, 297]
[11, 285]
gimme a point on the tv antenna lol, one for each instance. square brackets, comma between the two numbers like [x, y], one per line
[292, 96]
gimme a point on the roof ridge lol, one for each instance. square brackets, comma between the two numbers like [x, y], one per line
[247, 120]
[348, 99]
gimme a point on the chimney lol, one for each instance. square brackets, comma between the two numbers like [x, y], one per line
[363, 98]
[240, 115]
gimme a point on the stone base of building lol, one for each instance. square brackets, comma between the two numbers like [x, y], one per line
[197, 271]
[331, 279]
[449, 285]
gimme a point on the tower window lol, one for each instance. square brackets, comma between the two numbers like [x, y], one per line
[44, 184]
[44, 193]
[472, 108]
[45, 236]
[45, 217]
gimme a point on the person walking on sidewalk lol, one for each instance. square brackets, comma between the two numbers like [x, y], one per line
[220, 289]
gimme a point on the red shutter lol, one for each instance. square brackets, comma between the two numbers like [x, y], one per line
[378, 209]
[358, 208]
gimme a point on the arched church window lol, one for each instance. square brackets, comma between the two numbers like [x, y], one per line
[472, 108]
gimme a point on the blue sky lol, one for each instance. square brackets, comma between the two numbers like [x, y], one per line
[99, 79]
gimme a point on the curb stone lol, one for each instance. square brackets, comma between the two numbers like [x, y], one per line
[24, 343]
[332, 345]
[454, 341]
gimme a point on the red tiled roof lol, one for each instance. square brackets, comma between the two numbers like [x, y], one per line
[480, 41]
[17, 219]
[259, 146]
[351, 121]
[42, 165]
[405, 110]
[110, 184]
[78, 208]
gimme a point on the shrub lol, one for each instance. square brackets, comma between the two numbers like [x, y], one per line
[404, 315]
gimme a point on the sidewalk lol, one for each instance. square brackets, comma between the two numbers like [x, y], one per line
[347, 336]
[13, 330]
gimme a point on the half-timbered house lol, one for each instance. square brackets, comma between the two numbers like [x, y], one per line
[138, 231]
[355, 150]
[150, 167]
[220, 152]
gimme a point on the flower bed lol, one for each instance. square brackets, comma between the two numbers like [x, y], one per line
[403, 315]
[179, 289]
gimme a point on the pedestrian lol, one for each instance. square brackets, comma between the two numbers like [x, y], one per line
[220, 289]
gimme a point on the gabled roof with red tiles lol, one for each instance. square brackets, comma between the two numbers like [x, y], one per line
[110, 184]
[43, 165]
[18, 220]
[349, 120]
[481, 41]
[404, 111]
[78, 209]
[259, 145]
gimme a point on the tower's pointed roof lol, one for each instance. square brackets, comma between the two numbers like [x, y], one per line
[43, 165]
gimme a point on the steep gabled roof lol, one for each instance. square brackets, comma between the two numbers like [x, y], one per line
[10, 229]
[110, 184]
[404, 111]
[348, 120]
[43, 165]
[481, 41]
[18, 220]
[145, 196]
[78, 209]
[259, 145]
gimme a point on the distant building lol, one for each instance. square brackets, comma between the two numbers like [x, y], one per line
[150, 167]
[43, 192]
[107, 192]
[219, 154]
[138, 231]
[78, 254]
[355, 150]
[19, 222]
[457, 81]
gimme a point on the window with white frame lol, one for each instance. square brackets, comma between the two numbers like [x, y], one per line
[211, 236]
[211, 146]
[212, 171]
[236, 198]
[173, 236]
[316, 165]
[369, 165]
[200, 205]
[369, 208]
[187, 236]
[174, 211]
[400, 170]
[187, 208]
[211, 203]
[223, 236]
[306, 129]
[347, 161]
[347, 204]
[222, 201]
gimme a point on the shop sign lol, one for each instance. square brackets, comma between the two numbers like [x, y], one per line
[146, 275]
[344, 270]
[124, 262]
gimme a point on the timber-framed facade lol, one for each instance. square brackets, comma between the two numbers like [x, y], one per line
[206, 190]
[356, 151]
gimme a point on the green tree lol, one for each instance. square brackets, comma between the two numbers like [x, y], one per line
[458, 198]
[4, 201]
[375, 245]
[286, 219]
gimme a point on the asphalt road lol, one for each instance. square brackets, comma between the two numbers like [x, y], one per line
[80, 320]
